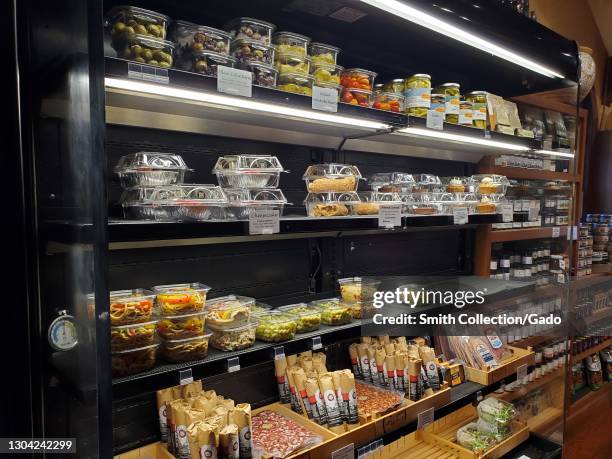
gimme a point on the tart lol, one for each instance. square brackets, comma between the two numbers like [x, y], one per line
[366, 208]
[455, 186]
[424, 210]
[330, 210]
[487, 186]
[485, 206]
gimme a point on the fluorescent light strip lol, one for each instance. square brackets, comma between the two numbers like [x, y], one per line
[418, 17]
[245, 103]
[441, 135]
[561, 154]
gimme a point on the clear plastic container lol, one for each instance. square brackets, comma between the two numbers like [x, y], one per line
[372, 200]
[289, 42]
[331, 177]
[322, 53]
[150, 169]
[182, 325]
[360, 309]
[148, 50]
[485, 206]
[361, 97]
[427, 183]
[275, 327]
[389, 101]
[490, 184]
[307, 319]
[186, 349]
[175, 299]
[259, 308]
[447, 202]
[228, 311]
[131, 306]
[326, 73]
[358, 79]
[131, 361]
[333, 311]
[456, 184]
[248, 171]
[253, 29]
[246, 50]
[133, 336]
[357, 289]
[495, 411]
[126, 21]
[296, 83]
[263, 74]
[233, 338]
[241, 201]
[206, 62]
[202, 202]
[424, 208]
[392, 182]
[331, 204]
[190, 37]
[292, 63]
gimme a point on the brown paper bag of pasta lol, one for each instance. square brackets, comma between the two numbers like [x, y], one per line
[183, 416]
[334, 419]
[381, 367]
[163, 396]
[349, 398]
[192, 438]
[299, 376]
[280, 368]
[222, 411]
[171, 413]
[414, 371]
[241, 416]
[372, 360]
[291, 360]
[336, 378]
[364, 362]
[315, 399]
[318, 362]
[390, 368]
[428, 356]
[305, 363]
[399, 370]
[207, 441]
[192, 389]
[229, 444]
[205, 403]
[355, 362]
[296, 404]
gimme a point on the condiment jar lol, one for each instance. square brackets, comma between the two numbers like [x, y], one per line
[479, 108]
[418, 94]
[452, 97]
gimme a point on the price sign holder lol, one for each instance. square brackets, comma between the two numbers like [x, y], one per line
[435, 120]
[279, 352]
[235, 82]
[325, 99]
[185, 376]
[507, 213]
[316, 343]
[460, 215]
[148, 73]
[346, 452]
[264, 221]
[521, 373]
[390, 216]
[424, 418]
[233, 364]
[556, 231]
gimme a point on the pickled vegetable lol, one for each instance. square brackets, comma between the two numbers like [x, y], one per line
[358, 79]
[292, 63]
[180, 298]
[150, 51]
[246, 50]
[289, 42]
[326, 73]
[307, 319]
[418, 94]
[323, 54]
[356, 97]
[276, 327]
[206, 62]
[452, 98]
[479, 108]
[389, 101]
[333, 312]
[127, 21]
[252, 29]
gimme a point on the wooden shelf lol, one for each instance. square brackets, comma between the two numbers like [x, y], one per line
[592, 350]
[544, 421]
[542, 381]
[527, 174]
[524, 234]
[532, 341]
[595, 398]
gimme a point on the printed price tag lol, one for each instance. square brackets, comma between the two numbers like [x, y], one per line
[572, 233]
[487, 133]
[556, 231]
[560, 278]
[460, 215]
[185, 377]
[316, 343]
[521, 372]
[325, 99]
[479, 396]
[234, 81]
[390, 216]
[533, 213]
[264, 221]
[346, 452]
[435, 120]
[233, 365]
[148, 73]
[507, 213]
[425, 418]
[394, 421]
[279, 352]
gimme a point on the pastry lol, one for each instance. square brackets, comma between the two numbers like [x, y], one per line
[485, 206]
[348, 183]
[366, 208]
[455, 186]
[390, 189]
[329, 210]
[425, 210]
[487, 186]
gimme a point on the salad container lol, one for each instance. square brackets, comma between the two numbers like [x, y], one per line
[357, 289]
[246, 50]
[131, 306]
[331, 204]
[295, 82]
[322, 53]
[333, 311]
[190, 37]
[131, 361]
[361, 97]
[263, 74]
[241, 201]
[360, 309]
[228, 311]
[250, 28]
[275, 327]
[289, 42]
[133, 335]
[389, 101]
[371, 201]
[233, 338]
[392, 182]
[331, 177]
[358, 79]
[495, 411]
[307, 319]
[326, 74]
[185, 349]
[181, 326]
[175, 299]
[126, 21]
[259, 308]
[292, 63]
[206, 62]
[147, 50]
[150, 169]
[248, 171]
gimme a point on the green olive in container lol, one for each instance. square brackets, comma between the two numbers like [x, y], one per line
[307, 319]
[150, 51]
[479, 108]
[333, 312]
[418, 94]
[322, 53]
[126, 21]
[396, 86]
[276, 327]
[452, 98]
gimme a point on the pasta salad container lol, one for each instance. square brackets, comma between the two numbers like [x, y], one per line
[248, 171]
[186, 349]
[131, 361]
[331, 177]
[228, 311]
[331, 204]
[133, 335]
[233, 338]
[151, 169]
[181, 325]
[175, 299]
[242, 201]
[131, 306]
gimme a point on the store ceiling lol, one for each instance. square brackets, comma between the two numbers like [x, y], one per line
[602, 13]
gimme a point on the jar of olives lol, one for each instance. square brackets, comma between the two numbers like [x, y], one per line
[206, 62]
[147, 50]
[418, 94]
[396, 86]
[127, 21]
[452, 98]
[479, 108]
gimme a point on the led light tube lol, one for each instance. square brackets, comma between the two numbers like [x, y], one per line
[555, 153]
[411, 14]
[441, 135]
[245, 103]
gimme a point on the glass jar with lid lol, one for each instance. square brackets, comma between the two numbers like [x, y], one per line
[397, 86]
[452, 97]
[479, 108]
[465, 113]
[418, 94]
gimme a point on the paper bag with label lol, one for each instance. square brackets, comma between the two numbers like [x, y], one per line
[364, 362]
[334, 419]
[315, 398]
[428, 357]
[229, 442]
[163, 397]
[349, 397]
[241, 416]
[280, 369]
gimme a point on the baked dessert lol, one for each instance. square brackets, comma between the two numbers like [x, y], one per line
[390, 189]
[485, 206]
[366, 208]
[424, 210]
[329, 210]
[455, 186]
[326, 184]
[487, 186]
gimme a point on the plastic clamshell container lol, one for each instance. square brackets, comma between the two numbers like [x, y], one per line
[131, 306]
[248, 171]
[126, 21]
[308, 319]
[296, 83]
[246, 50]
[428, 181]
[233, 338]
[241, 201]
[131, 361]
[372, 200]
[361, 97]
[495, 411]
[181, 326]
[357, 289]
[358, 79]
[333, 312]
[147, 50]
[150, 169]
[360, 309]
[490, 183]
[424, 208]
[289, 42]
[260, 308]
[201, 202]
[292, 63]
[398, 182]
[180, 298]
[331, 177]
[331, 204]
[251, 28]
[186, 349]
[447, 202]
[485, 205]
[228, 311]
[457, 184]
[133, 335]
[275, 327]
[190, 37]
[206, 62]
[322, 53]
[263, 74]
[389, 101]
[326, 74]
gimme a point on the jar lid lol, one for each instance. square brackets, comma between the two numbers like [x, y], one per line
[420, 75]
[450, 85]
[477, 93]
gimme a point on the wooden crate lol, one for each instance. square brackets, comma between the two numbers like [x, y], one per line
[155, 450]
[506, 368]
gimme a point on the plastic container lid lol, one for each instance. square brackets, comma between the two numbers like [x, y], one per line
[247, 164]
[392, 178]
[239, 197]
[293, 35]
[147, 15]
[127, 351]
[251, 20]
[316, 44]
[229, 301]
[151, 42]
[260, 308]
[261, 65]
[332, 170]
[357, 70]
[252, 323]
[217, 57]
[332, 197]
[145, 161]
[183, 316]
[201, 194]
[179, 288]
[275, 317]
[288, 55]
[202, 28]
[205, 336]
[131, 295]
[136, 325]
[379, 197]
[428, 179]
[297, 308]
[291, 77]
[251, 42]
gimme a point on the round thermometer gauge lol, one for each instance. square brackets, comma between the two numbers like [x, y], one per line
[62, 333]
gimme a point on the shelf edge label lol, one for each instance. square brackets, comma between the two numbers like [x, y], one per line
[325, 99]
[390, 216]
[264, 221]
[235, 82]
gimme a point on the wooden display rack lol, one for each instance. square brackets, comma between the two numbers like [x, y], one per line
[508, 367]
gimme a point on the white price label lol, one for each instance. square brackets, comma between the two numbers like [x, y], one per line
[556, 231]
[185, 377]
[425, 418]
[521, 372]
[533, 213]
[507, 213]
[264, 221]
[346, 452]
[572, 233]
[233, 365]
[325, 99]
[316, 343]
[279, 352]
[390, 216]
[148, 73]
[234, 81]
[435, 120]
[460, 215]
